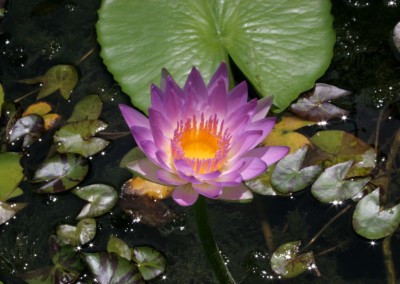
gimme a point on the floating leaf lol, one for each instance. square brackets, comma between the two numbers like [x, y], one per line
[133, 155]
[151, 263]
[83, 233]
[30, 127]
[88, 108]
[371, 221]
[283, 133]
[262, 184]
[331, 184]
[288, 175]
[119, 247]
[281, 47]
[340, 146]
[8, 210]
[110, 268]
[50, 120]
[61, 172]
[11, 174]
[59, 77]
[11, 112]
[77, 137]
[140, 186]
[39, 108]
[286, 261]
[101, 198]
[317, 106]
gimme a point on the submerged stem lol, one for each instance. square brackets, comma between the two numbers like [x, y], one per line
[388, 260]
[209, 245]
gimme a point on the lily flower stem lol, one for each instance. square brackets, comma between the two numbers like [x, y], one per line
[208, 242]
[388, 259]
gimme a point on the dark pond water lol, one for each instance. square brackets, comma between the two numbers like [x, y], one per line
[37, 34]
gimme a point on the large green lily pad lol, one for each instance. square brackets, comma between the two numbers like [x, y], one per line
[11, 174]
[282, 47]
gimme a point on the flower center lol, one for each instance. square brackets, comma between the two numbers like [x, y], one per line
[204, 146]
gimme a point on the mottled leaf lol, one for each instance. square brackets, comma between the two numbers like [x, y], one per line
[133, 155]
[262, 184]
[110, 268]
[119, 247]
[317, 106]
[101, 198]
[288, 263]
[30, 127]
[340, 146]
[77, 235]
[77, 137]
[332, 186]
[150, 262]
[88, 108]
[39, 108]
[140, 186]
[61, 172]
[373, 222]
[8, 210]
[11, 174]
[289, 176]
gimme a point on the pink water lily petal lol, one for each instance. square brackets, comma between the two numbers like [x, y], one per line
[262, 108]
[160, 120]
[185, 195]
[252, 168]
[163, 160]
[141, 134]
[195, 83]
[185, 171]
[208, 176]
[221, 73]
[270, 154]
[208, 190]
[247, 142]
[236, 193]
[157, 97]
[149, 149]
[217, 98]
[237, 97]
[169, 178]
[230, 179]
[146, 169]
[133, 117]
[265, 124]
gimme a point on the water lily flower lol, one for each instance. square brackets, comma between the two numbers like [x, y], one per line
[202, 139]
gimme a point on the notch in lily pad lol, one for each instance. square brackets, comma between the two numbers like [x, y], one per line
[61, 172]
[30, 127]
[288, 263]
[150, 262]
[43, 109]
[78, 235]
[87, 108]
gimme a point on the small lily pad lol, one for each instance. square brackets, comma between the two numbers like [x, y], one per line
[30, 127]
[39, 108]
[332, 186]
[119, 247]
[288, 263]
[77, 137]
[101, 198]
[77, 235]
[133, 155]
[61, 172]
[110, 268]
[317, 106]
[373, 222]
[262, 184]
[8, 210]
[11, 174]
[288, 175]
[150, 262]
[88, 108]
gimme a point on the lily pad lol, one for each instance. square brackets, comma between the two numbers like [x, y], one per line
[282, 47]
[61, 172]
[262, 184]
[150, 262]
[77, 235]
[140, 186]
[119, 247]
[110, 268]
[289, 176]
[59, 77]
[43, 109]
[77, 137]
[88, 108]
[317, 106]
[101, 198]
[373, 222]
[331, 184]
[30, 127]
[133, 155]
[9, 210]
[340, 146]
[11, 174]
[288, 263]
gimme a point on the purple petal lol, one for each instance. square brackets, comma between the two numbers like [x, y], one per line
[222, 72]
[160, 127]
[229, 179]
[185, 171]
[208, 176]
[157, 98]
[239, 193]
[146, 169]
[252, 168]
[149, 149]
[244, 143]
[163, 160]
[170, 178]
[133, 117]
[264, 124]
[237, 97]
[195, 83]
[208, 190]
[141, 134]
[217, 99]
[270, 154]
[185, 195]
[262, 108]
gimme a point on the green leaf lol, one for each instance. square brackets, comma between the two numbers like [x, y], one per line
[286, 261]
[133, 155]
[373, 222]
[88, 108]
[83, 233]
[262, 184]
[331, 185]
[61, 172]
[119, 247]
[282, 47]
[340, 146]
[110, 268]
[77, 137]
[151, 263]
[11, 174]
[101, 199]
[288, 175]
[8, 210]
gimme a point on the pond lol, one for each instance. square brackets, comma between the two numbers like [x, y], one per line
[37, 35]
